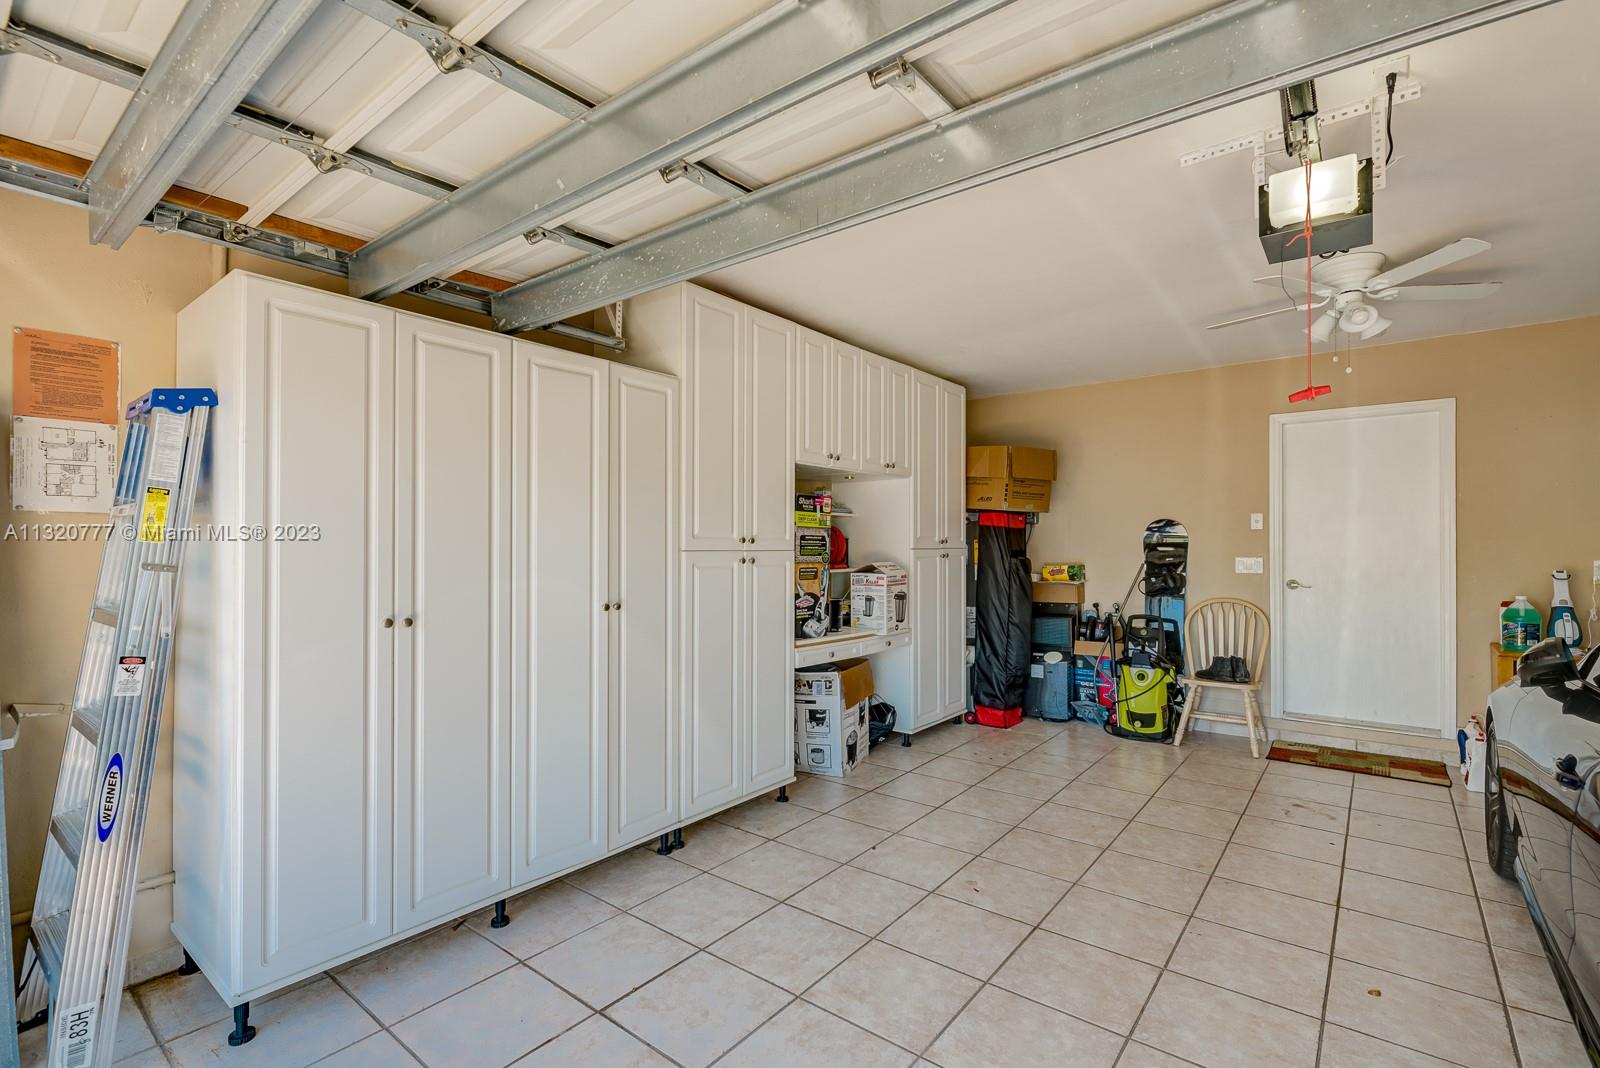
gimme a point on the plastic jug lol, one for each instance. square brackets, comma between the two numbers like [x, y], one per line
[1519, 625]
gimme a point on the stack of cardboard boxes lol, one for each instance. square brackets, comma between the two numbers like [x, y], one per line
[1009, 478]
[830, 716]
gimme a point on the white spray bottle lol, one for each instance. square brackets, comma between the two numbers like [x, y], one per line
[1563, 617]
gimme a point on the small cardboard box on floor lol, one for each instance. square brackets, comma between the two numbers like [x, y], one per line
[1009, 478]
[880, 598]
[830, 716]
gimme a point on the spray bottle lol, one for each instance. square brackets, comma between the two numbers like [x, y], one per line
[1563, 617]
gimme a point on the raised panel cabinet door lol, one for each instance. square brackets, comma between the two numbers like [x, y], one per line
[714, 515]
[846, 401]
[560, 629]
[875, 433]
[952, 632]
[715, 668]
[897, 417]
[927, 528]
[317, 720]
[952, 463]
[813, 442]
[769, 632]
[769, 431]
[643, 717]
[453, 600]
[927, 700]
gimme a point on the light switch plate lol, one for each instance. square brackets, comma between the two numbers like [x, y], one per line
[1247, 565]
[1255, 521]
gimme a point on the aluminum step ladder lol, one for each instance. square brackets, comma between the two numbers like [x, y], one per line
[77, 954]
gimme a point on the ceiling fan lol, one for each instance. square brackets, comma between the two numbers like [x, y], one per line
[1356, 282]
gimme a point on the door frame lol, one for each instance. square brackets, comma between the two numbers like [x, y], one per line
[1445, 409]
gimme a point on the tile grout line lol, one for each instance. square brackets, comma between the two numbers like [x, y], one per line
[1333, 936]
[1488, 937]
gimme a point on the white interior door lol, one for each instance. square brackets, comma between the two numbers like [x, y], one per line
[317, 725]
[768, 413]
[453, 702]
[715, 671]
[644, 618]
[560, 630]
[769, 632]
[1363, 573]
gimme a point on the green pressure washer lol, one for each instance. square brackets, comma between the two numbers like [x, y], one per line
[1148, 695]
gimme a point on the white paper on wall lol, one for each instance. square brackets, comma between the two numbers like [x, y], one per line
[62, 465]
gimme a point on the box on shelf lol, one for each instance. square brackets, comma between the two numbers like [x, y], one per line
[1072, 571]
[812, 545]
[830, 716]
[1009, 478]
[880, 598]
[813, 510]
[810, 600]
[1058, 593]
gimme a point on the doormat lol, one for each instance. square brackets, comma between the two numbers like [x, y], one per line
[1381, 764]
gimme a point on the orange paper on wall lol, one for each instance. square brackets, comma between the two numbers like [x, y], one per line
[64, 376]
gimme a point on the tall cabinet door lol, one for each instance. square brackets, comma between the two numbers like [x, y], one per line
[643, 718]
[713, 355]
[952, 648]
[715, 674]
[769, 415]
[316, 725]
[813, 381]
[769, 635]
[952, 463]
[452, 592]
[875, 430]
[845, 401]
[897, 417]
[927, 528]
[560, 631]
[926, 624]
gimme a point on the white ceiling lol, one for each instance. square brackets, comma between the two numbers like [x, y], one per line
[1110, 264]
[1104, 266]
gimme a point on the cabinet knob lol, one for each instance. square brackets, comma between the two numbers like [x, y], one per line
[616, 606]
[407, 621]
[606, 607]
[387, 623]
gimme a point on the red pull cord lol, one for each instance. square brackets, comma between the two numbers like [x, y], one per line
[1311, 392]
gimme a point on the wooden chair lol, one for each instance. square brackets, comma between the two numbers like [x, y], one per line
[1225, 626]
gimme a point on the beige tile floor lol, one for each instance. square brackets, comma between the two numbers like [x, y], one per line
[1040, 896]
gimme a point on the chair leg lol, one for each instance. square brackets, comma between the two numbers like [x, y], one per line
[1266, 739]
[1191, 702]
[1251, 722]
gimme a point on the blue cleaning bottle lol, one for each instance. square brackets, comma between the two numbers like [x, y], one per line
[1563, 617]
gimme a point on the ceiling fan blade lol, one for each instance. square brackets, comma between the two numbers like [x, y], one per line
[1464, 291]
[1262, 315]
[1294, 283]
[1454, 252]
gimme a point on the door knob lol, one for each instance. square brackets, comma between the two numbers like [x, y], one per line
[1296, 584]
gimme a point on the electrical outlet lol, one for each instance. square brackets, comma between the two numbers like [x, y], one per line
[1247, 565]
[1255, 521]
[1400, 66]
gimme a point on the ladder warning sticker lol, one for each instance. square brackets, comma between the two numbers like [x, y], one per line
[153, 525]
[77, 1035]
[128, 680]
[166, 449]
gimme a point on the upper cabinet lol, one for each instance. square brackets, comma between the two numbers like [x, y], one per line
[885, 416]
[738, 424]
[828, 408]
[938, 457]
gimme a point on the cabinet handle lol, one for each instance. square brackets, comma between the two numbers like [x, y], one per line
[407, 621]
[389, 622]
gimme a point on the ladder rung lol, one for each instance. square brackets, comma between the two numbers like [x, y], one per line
[87, 722]
[67, 829]
[50, 942]
[104, 616]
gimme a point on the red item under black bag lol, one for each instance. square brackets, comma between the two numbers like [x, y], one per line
[1004, 619]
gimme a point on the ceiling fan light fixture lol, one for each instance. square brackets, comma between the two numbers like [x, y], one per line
[1335, 190]
[1379, 325]
[1322, 329]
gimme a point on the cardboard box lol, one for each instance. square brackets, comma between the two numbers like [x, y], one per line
[880, 598]
[1058, 593]
[810, 600]
[812, 545]
[831, 723]
[1008, 495]
[1011, 462]
[813, 510]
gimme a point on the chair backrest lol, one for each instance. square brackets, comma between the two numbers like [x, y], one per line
[1227, 626]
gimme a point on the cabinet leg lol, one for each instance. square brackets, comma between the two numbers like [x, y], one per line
[664, 844]
[188, 967]
[677, 838]
[242, 1031]
[783, 793]
[500, 918]
[905, 739]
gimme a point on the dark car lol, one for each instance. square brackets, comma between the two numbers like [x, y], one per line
[1542, 808]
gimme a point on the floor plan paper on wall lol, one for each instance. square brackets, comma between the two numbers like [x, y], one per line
[62, 465]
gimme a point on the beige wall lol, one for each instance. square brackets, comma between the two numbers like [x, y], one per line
[1193, 447]
[51, 277]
